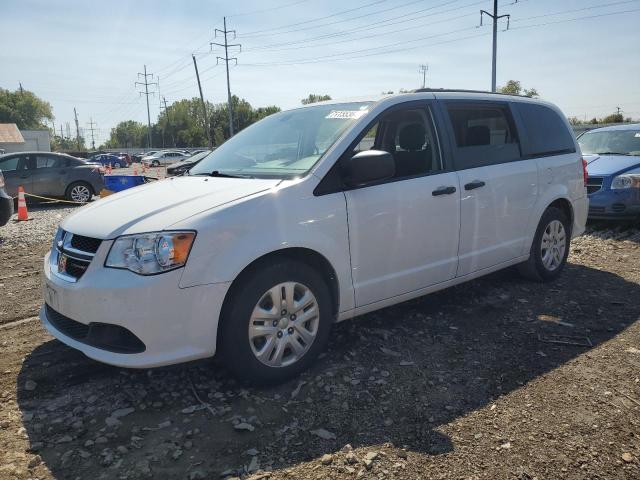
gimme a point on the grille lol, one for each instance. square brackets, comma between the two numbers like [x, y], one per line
[71, 328]
[105, 336]
[85, 244]
[618, 207]
[76, 268]
[596, 209]
[594, 184]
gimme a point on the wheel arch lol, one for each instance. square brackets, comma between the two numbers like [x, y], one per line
[565, 206]
[310, 257]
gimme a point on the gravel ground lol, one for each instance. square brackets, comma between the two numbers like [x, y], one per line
[497, 378]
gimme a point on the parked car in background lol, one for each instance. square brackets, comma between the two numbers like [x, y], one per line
[106, 159]
[51, 175]
[6, 203]
[255, 255]
[613, 164]
[137, 157]
[164, 157]
[183, 166]
[125, 157]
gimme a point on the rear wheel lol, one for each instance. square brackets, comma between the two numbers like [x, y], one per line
[155, 163]
[79, 192]
[276, 323]
[117, 165]
[550, 247]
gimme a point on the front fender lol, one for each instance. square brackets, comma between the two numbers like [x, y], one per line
[231, 238]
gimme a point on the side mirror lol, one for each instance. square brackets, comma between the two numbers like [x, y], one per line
[368, 167]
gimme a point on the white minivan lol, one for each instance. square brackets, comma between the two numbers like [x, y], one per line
[312, 216]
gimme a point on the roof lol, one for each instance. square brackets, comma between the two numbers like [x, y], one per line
[626, 126]
[9, 133]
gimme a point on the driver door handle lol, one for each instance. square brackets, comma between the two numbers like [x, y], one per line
[444, 191]
[475, 184]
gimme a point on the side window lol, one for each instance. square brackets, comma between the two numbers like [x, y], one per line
[485, 134]
[43, 161]
[10, 164]
[409, 135]
[547, 133]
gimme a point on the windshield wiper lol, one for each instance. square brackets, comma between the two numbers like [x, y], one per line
[612, 153]
[219, 174]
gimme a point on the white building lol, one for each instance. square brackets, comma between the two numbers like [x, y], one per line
[14, 140]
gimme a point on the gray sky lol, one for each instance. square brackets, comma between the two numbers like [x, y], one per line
[582, 55]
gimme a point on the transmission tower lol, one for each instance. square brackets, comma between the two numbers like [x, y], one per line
[226, 60]
[146, 93]
[423, 71]
[93, 140]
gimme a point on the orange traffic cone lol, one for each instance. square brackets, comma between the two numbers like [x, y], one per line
[158, 172]
[109, 170]
[144, 169]
[23, 215]
[135, 170]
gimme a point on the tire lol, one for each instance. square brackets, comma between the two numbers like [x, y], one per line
[76, 192]
[546, 264]
[155, 163]
[252, 354]
[117, 165]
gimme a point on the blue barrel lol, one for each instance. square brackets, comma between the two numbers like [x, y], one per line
[117, 183]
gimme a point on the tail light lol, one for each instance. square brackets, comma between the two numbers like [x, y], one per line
[585, 175]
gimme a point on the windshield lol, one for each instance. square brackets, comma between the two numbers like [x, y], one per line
[283, 145]
[611, 142]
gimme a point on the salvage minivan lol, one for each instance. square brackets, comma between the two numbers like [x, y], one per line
[312, 216]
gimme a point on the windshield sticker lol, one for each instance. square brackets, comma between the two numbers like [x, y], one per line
[347, 114]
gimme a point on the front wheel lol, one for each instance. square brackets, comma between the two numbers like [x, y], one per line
[276, 323]
[550, 247]
[116, 165]
[155, 163]
[79, 192]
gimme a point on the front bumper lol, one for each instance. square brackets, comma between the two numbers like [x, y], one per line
[174, 324]
[615, 204]
[6, 209]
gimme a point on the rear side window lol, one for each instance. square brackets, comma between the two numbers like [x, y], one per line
[50, 162]
[485, 134]
[547, 133]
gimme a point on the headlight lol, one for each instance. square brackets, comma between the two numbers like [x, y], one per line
[151, 253]
[626, 181]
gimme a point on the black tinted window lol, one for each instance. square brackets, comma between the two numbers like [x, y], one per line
[43, 161]
[547, 133]
[485, 134]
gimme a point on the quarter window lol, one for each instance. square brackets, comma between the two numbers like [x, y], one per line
[547, 133]
[484, 135]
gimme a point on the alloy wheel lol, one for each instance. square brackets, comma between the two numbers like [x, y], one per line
[80, 193]
[284, 324]
[553, 245]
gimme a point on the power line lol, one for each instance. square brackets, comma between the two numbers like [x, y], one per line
[372, 26]
[575, 19]
[257, 33]
[146, 93]
[226, 59]
[265, 10]
[575, 10]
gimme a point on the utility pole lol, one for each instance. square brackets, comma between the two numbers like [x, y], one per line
[495, 17]
[226, 59]
[146, 93]
[204, 105]
[618, 110]
[61, 135]
[93, 141]
[75, 114]
[166, 111]
[423, 70]
[21, 89]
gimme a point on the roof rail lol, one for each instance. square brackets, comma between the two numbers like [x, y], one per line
[460, 90]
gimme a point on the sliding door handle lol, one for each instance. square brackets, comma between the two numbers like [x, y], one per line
[475, 184]
[443, 191]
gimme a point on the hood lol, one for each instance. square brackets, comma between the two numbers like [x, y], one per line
[603, 165]
[159, 205]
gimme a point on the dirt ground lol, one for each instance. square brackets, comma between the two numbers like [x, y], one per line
[472, 382]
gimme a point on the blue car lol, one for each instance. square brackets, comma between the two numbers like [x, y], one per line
[108, 158]
[613, 164]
